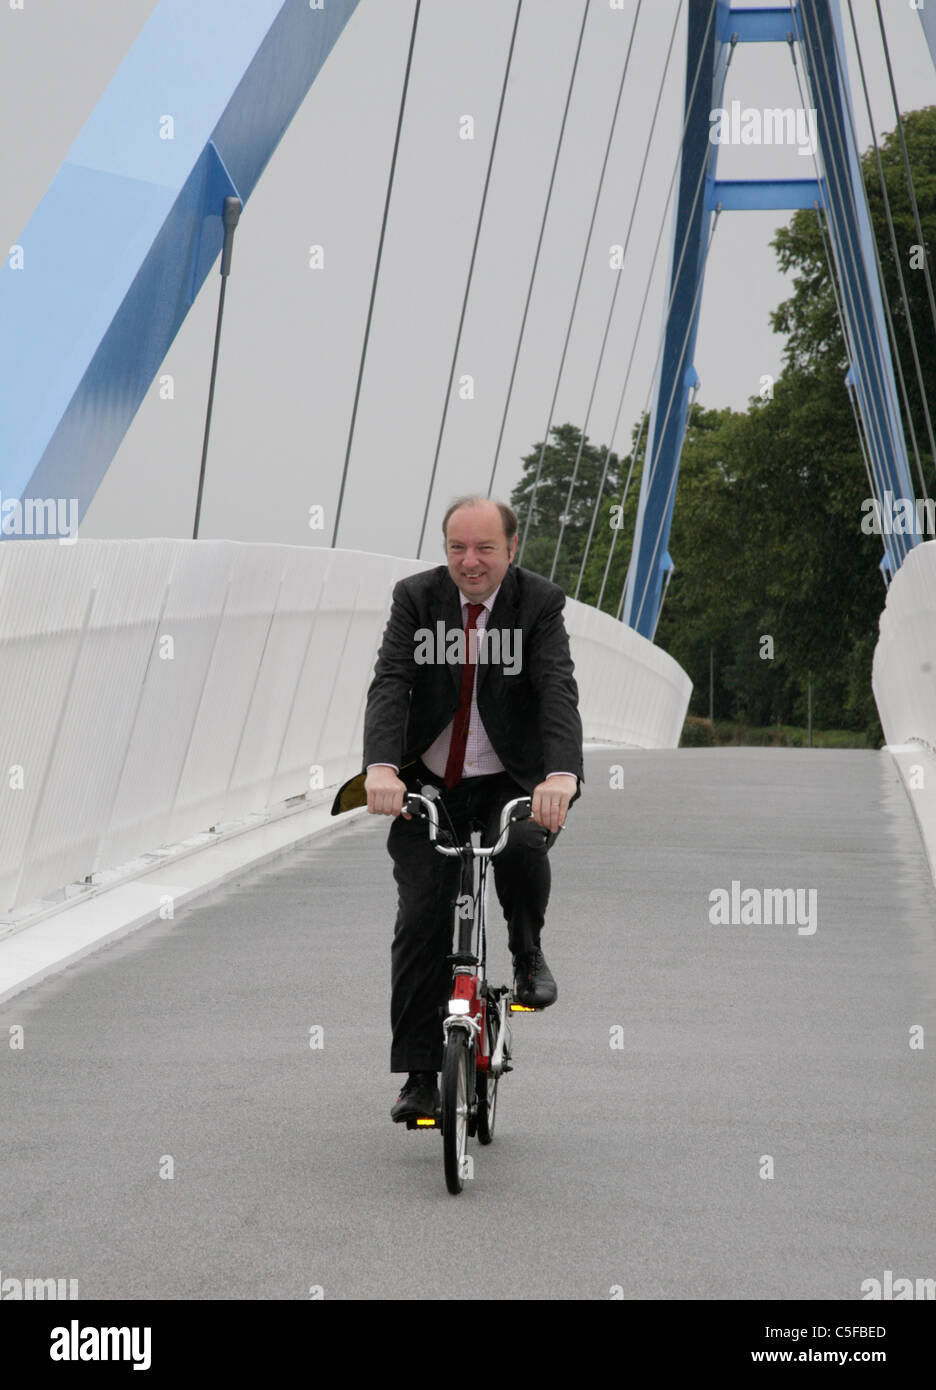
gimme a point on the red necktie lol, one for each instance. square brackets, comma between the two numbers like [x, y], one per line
[456, 757]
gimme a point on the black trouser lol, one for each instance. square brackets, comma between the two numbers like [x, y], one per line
[427, 884]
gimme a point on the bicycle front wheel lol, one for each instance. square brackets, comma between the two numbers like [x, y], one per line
[456, 1067]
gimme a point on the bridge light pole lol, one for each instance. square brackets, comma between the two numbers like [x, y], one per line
[231, 215]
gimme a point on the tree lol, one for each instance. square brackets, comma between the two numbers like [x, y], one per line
[809, 318]
[552, 501]
[767, 541]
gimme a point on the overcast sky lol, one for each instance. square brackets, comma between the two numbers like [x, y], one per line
[292, 335]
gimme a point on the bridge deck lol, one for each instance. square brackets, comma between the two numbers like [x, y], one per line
[635, 1166]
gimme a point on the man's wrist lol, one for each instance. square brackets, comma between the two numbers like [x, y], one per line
[562, 774]
[393, 765]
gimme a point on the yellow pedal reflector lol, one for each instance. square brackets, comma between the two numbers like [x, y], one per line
[522, 1009]
[426, 1123]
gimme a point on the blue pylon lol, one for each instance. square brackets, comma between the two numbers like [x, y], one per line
[814, 27]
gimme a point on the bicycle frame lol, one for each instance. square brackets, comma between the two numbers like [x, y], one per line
[471, 995]
[477, 1036]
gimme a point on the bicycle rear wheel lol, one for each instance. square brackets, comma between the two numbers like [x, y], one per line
[487, 1082]
[455, 1099]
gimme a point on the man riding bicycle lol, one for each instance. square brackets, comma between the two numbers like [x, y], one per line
[474, 694]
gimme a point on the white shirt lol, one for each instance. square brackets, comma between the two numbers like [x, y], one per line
[480, 758]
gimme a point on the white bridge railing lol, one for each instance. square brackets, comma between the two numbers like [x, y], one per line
[904, 684]
[904, 672]
[152, 689]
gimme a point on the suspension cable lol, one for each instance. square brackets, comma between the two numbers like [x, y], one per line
[906, 164]
[874, 423]
[849, 389]
[373, 293]
[875, 418]
[842, 244]
[895, 253]
[862, 444]
[672, 397]
[669, 307]
[604, 577]
[578, 287]
[880, 270]
[847, 337]
[907, 417]
[703, 166]
[653, 465]
[604, 341]
[471, 266]
[539, 244]
[630, 363]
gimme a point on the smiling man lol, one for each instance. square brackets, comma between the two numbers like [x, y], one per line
[482, 732]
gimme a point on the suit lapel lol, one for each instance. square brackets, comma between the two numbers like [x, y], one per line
[445, 607]
[502, 615]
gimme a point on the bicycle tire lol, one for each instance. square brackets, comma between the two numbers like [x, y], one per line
[486, 1082]
[455, 1107]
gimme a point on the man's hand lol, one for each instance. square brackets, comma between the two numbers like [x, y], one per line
[385, 792]
[551, 801]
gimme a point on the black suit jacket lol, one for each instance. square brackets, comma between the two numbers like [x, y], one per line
[531, 716]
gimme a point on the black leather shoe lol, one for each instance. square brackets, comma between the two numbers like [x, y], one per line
[419, 1096]
[534, 986]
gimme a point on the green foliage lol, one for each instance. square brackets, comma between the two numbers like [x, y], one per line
[809, 319]
[788, 736]
[697, 733]
[552, 495]
[612, 528]
[768, 536]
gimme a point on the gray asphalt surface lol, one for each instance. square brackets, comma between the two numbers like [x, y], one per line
[634, 1167]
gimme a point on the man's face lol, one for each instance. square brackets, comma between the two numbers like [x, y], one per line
[477, 550]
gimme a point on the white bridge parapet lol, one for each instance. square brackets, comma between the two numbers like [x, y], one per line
[904, 683]
[152, 689]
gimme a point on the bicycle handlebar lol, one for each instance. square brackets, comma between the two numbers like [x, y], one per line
[482, 851]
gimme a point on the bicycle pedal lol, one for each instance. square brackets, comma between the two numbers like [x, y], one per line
[422, 1122]
[516, 1008]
